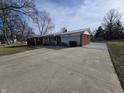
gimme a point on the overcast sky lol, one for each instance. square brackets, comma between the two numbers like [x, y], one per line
[78, 14]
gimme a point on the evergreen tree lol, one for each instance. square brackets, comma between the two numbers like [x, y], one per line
[100, 34]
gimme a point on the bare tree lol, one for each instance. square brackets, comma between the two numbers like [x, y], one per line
[43, 21]
[19, 27]
[110, 21]
[12, 7]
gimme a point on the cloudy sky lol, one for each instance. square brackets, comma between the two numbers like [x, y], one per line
[78, 14]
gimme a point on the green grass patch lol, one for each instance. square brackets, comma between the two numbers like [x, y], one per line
[116, 50]
[7, 50]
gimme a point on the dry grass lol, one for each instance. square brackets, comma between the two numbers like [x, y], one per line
[116, 50]
[7, 50]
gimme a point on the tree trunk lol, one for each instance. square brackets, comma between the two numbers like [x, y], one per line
[5, 27]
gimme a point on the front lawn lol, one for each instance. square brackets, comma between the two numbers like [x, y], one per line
[7, 50]
[116, 50]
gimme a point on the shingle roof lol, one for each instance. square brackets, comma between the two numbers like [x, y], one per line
[61, 33]
[70, 32]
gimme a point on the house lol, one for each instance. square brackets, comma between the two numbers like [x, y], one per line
[70, 38]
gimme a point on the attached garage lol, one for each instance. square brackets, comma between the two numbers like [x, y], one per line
[76, 38]
[69, 39]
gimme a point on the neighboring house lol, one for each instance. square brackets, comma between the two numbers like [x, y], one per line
[3, 40]
[69, 38]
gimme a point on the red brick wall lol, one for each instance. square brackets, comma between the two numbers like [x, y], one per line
[85, 39]
[34, 41]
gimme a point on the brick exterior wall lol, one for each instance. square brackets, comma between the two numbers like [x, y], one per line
[85, 39]
[34, 41]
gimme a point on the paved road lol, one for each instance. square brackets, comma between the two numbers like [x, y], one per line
[70, 70]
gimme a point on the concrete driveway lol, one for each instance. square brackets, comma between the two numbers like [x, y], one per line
[71, 70]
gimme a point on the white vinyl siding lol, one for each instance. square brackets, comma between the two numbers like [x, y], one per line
[71, 37]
